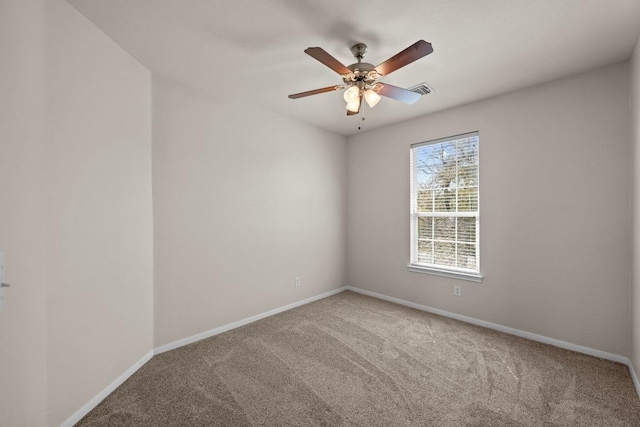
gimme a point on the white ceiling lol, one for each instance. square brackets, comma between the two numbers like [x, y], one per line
[254, 48]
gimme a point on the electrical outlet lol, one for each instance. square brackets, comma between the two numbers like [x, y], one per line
[297, 281]
[457, 291]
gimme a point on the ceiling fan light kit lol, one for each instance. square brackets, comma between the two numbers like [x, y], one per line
[354, 106]
[361, 78]
[352, 94]
[371, 97]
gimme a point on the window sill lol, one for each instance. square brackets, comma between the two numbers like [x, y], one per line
[445, 273]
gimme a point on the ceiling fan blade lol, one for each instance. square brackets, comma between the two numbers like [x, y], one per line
[321, 55]
[415, 51]
[316, 91]
[397, 93]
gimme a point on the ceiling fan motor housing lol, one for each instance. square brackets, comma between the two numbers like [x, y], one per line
[361, 72]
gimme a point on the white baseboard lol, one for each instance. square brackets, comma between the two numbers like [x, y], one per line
[634, 377]
[122, 378]
[512, 331]
[104, 393]
[535, 337]
[243, 322]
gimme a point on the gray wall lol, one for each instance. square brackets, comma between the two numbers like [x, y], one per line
[22, 231]
[635, 142]
[245, 200]
[75, 170]
[555, 210]
[99, 216]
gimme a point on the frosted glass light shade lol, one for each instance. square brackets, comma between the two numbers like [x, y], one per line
[354, 106]
[371, 97]
[352, 94]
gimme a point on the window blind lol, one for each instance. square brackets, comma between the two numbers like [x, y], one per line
[445, 204]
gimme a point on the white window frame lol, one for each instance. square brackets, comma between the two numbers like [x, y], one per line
[439, 270]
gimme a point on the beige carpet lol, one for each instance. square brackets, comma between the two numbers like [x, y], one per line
[352, 360]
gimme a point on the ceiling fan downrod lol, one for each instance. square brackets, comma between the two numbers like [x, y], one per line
[359, 50]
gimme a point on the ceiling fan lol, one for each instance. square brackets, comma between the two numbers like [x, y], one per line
[361, 79]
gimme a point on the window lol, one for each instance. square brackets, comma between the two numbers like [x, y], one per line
[444, 207]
